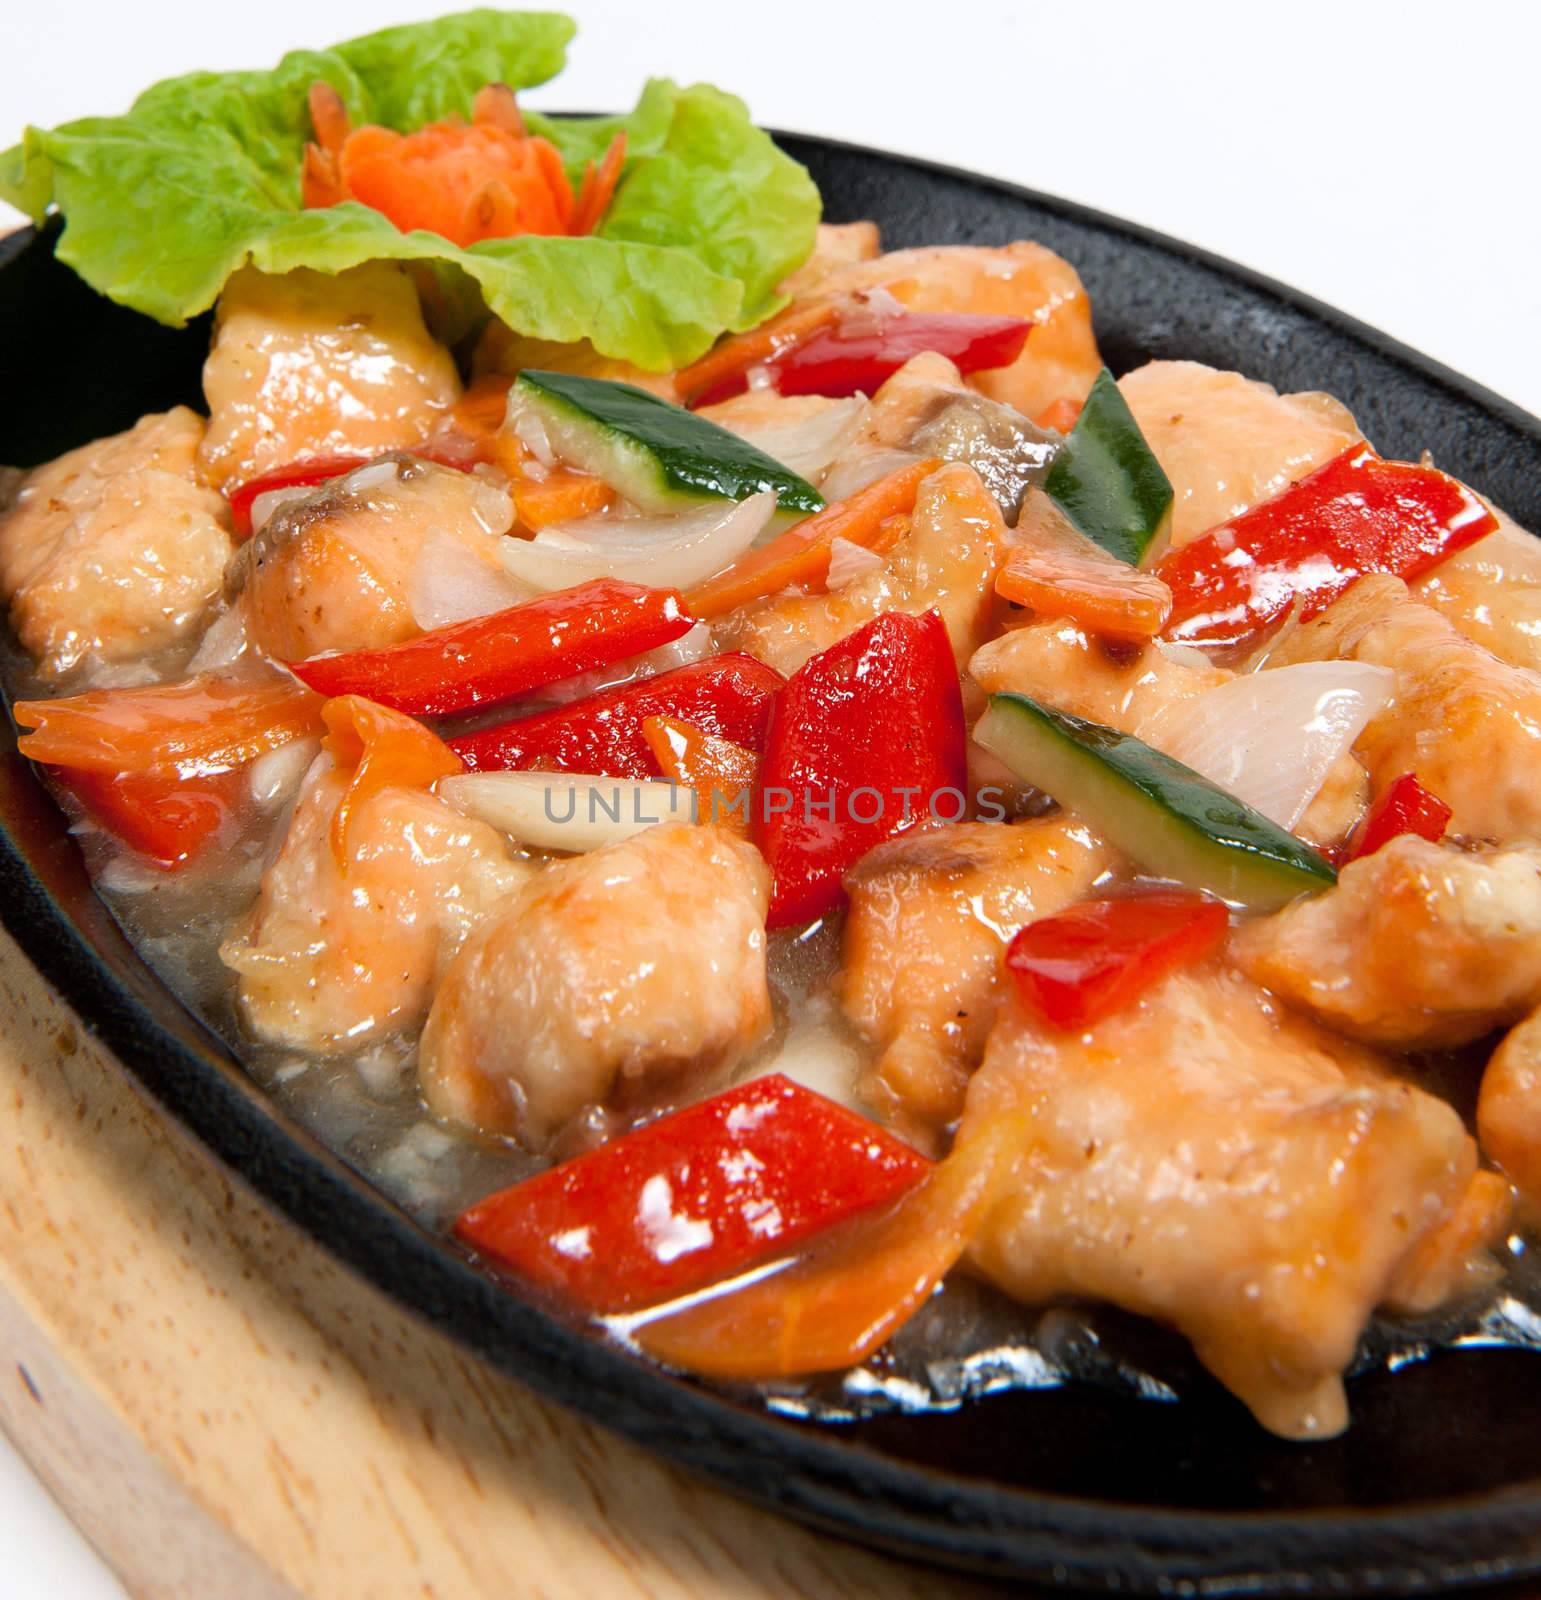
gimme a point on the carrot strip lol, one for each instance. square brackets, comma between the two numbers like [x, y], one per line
[836, 1307]
[721, 774]
[1059, 572]
[208, 722]
[329, 117]
[496, 106]
[558, 498]
[599, 187]
[1060, 415]
[483, 406]
[801, 554]
[384, 748]
[712, 376]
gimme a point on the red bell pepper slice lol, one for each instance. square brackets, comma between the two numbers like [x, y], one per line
[854, 357]
[1099, 957]
[159, 813]
[1405, 807]
[866, 740]
[508, 653]
[604, 733]
[297, 475]
[1355, 515]
[692, 1198]
[451, 451]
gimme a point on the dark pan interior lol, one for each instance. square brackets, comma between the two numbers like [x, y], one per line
[1438, 1482]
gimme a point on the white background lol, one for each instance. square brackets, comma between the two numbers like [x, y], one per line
[1383, 157]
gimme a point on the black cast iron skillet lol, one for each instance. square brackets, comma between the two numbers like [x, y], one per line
[1438, 1482]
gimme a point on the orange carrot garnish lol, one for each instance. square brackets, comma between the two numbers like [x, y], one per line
[1060, 415]
[486, 179]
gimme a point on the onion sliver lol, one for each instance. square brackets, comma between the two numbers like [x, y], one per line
[453, 584]
[1271, 737]
[808, 447]
[853, 473]
[667, 552]
[567, 811]
[694, 645]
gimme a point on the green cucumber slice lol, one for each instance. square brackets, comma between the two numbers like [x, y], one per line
[1108, 482]
[1164, 815]
[659, 456]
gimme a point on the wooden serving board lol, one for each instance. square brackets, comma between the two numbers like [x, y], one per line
[228, 1414]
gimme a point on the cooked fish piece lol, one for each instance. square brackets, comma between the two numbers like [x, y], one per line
[332, 959]
[116, 549]
[615, 978]
[945, 561]
[501, 350]
[1468, 724]
[336, 570]
[1509, 1110]
[1060, 359]
[1418, 945]
[837, 244]
[931, 914]
[1212, 1160]
[1227, 442]
[309, 364]
[1491, 591]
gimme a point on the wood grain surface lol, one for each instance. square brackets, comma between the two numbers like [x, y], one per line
[228, 1414]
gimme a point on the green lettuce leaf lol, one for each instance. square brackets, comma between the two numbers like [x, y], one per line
[202, 175]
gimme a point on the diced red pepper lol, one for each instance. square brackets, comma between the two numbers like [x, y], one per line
[693, 1198]
[866, 740]
[728, 695]
[159, 813]
[452, 451]
[847, 357]
[508, 653]
[1405, 807]
[1096, 958]
[1355, 515]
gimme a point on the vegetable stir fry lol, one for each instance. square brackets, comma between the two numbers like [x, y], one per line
[811, 784]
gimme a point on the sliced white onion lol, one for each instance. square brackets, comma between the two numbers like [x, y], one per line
[362, 480]
[275, 778]
[530, 431]
[223, 644]
[671, 551]
[694, 645]
[854, 472]
[567, 811]
[1271, 737]
[451, 583]
[271, 500]
[809, 446]
[848, 562]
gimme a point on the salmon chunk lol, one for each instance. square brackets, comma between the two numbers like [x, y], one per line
[1060, 359]
[337, 570]
[1491, 591]
[332, 959]
[931, 915]
[116, 549]
[1468, 724]
[1417, 946]
[307, 364]
[1213, 1161]
[945, 561]
[1227, 442]
[613, 979]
